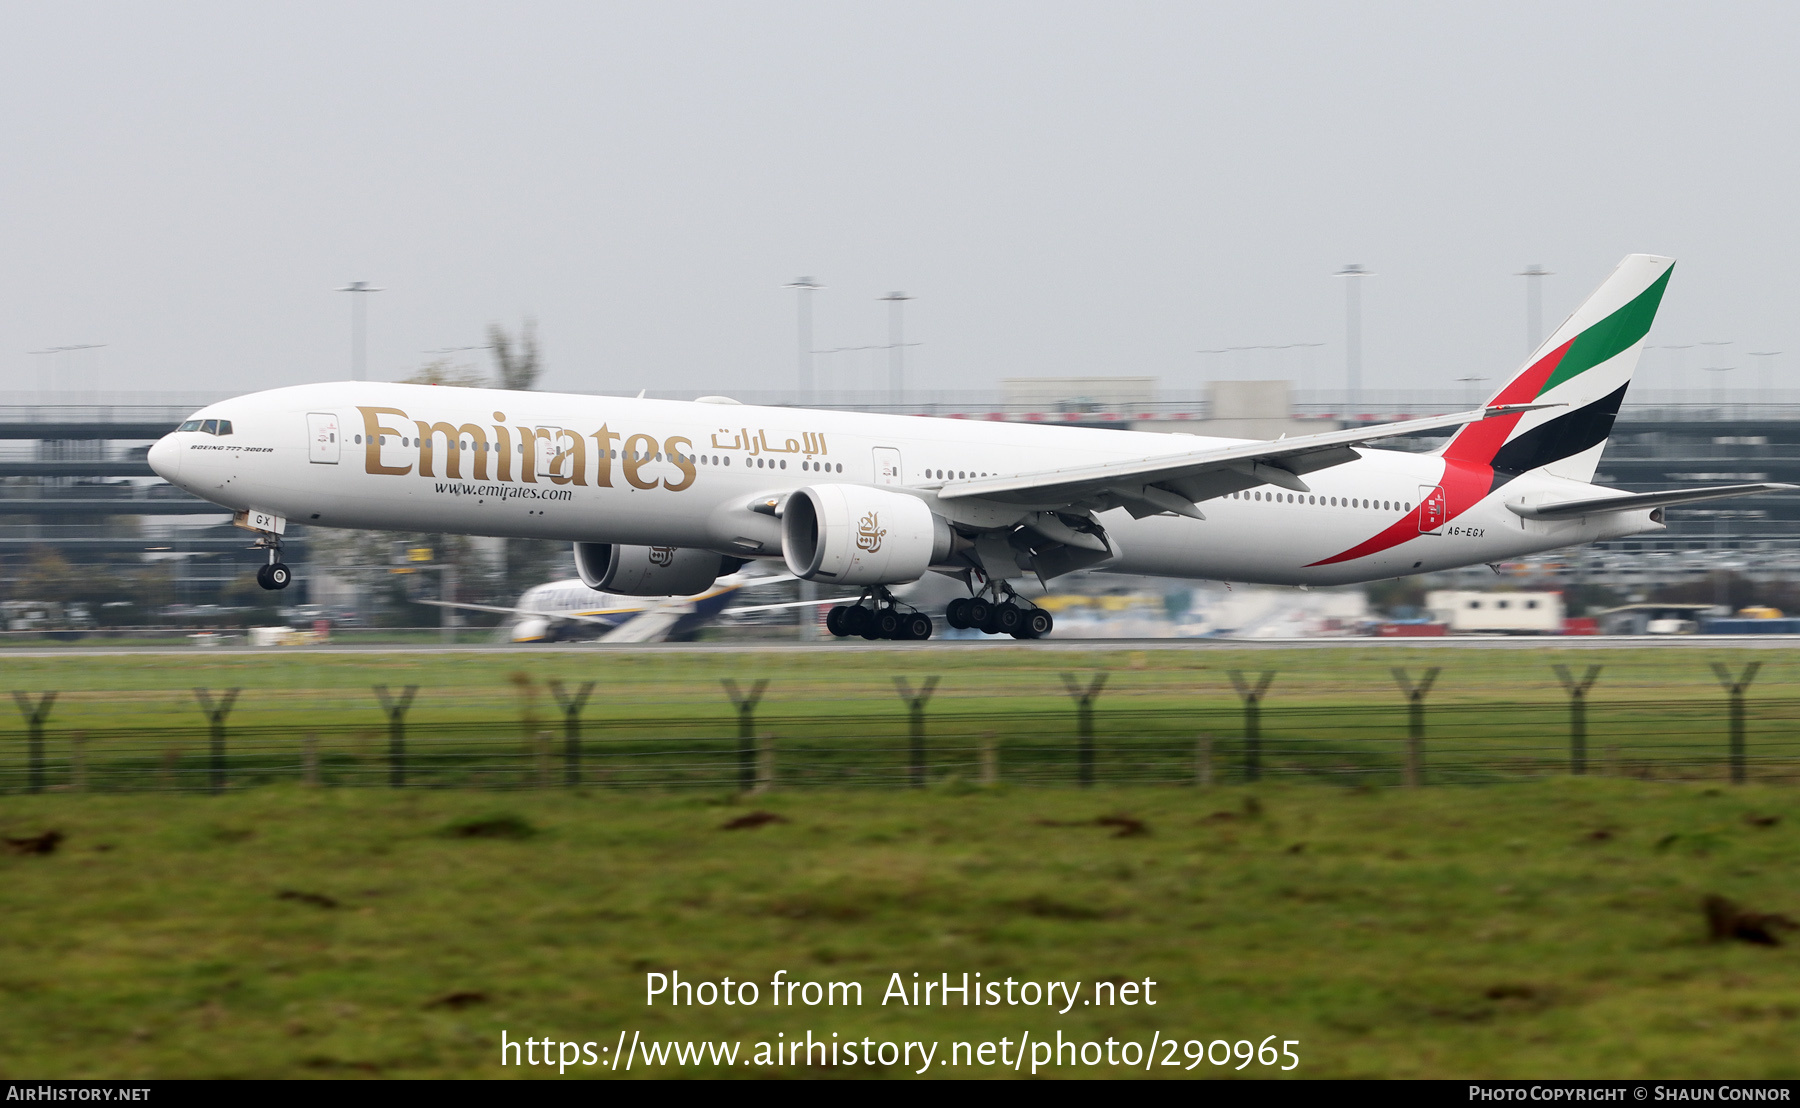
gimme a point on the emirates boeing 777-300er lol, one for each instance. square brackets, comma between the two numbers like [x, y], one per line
[663, 497]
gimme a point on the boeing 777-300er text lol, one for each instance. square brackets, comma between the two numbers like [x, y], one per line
[663, 497]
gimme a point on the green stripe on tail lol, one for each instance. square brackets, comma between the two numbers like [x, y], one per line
[1611, 336]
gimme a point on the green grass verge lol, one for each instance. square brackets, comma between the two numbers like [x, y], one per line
[1537, 930]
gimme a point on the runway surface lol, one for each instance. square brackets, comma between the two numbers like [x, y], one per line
[1469, 642]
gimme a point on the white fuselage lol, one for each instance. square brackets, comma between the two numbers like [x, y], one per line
[687, 474]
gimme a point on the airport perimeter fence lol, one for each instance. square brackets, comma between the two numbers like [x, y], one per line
[1075, 739]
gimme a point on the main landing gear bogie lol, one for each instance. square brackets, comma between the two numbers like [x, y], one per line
[1003, 618]
[877, 616]
[879, 619]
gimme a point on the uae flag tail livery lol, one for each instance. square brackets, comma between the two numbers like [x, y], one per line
[1583, 369]
[1574, 382]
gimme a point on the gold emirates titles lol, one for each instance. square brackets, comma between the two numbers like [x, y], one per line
[569, 463]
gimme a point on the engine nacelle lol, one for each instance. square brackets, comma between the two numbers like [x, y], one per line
[856, 535]
[647, 570]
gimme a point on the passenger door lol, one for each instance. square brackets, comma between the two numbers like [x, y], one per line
[1431, 509]
[323, 446]
[552, 460]
[887, 466]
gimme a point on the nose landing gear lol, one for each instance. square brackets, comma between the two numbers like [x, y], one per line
[276, 575]
[876, 616]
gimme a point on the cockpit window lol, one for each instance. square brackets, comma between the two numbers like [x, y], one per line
[207, 426]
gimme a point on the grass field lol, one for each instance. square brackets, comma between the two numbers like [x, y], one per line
[1546, 929]
[660, 718]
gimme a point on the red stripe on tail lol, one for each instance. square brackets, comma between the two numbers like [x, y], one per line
[1468, 474]
[1478, 442]
[1406, 528]
[1464, 484]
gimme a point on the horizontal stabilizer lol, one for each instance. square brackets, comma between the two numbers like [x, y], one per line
[1637, 502]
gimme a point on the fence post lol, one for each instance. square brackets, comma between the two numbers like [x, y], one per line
[915, 702]
[35, 715]
[1203, 767]
[1415, 721]
[1084, 722]
[215, 712]
[765, 765]
[1577, 714]
[745, 701]
[395, 707]
[571, 706]
[1734, 688]
[1252, 696]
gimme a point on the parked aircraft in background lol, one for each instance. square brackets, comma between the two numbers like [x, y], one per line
[568, 610]
[663, 498]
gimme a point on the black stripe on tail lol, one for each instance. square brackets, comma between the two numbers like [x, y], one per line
[1566, 435]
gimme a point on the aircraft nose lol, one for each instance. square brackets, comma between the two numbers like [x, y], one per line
[165, 458]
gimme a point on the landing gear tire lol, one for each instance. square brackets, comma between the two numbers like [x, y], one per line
[1035, 625]
[1007, 619]
[976, 613]
[918, 626]
[853, 621]
[834, 621]
[956, 613]
[887, 625]
[275, 576]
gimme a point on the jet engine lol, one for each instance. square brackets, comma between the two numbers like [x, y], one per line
[647, 570]
[855, 535]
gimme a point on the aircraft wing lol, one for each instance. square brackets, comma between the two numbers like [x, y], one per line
[1175, 482]
[1633, 502]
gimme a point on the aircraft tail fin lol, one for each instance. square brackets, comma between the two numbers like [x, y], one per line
[1584, 368]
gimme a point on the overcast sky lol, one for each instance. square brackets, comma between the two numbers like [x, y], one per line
[1066, 189]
